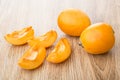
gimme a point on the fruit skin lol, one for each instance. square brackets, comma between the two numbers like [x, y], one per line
[61, 52]
[20, 37]
[45, 40]
[32, 58]
[73, 21]
[98, 38]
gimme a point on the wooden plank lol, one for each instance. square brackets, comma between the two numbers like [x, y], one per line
[42, 15]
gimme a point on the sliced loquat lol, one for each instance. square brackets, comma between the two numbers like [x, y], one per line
[20, 37]
[45, 40]
[32, 58]
[61, 51]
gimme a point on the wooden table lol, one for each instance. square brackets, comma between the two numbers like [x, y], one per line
[42, 15]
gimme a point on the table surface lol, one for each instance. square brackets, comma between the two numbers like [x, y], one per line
[42, 15]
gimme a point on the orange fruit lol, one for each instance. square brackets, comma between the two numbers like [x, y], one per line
[73, 21]
[61, 51]
[20, 37]
[33, 57]
[98, 38]
[45, 40]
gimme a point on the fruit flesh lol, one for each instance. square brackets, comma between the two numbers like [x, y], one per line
[45, 40]
[98, 38]
[20, 37]
[32, 58]
[61, 52]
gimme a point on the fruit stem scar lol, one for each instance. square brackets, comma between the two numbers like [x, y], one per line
[113, 31]
[80, 44]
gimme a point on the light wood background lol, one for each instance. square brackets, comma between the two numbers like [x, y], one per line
[42, 15]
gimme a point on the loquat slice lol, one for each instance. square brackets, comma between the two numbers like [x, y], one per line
[20, 37]
[61, 51]
[33, 57]
[46, 40]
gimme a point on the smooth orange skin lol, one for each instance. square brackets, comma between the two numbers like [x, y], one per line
[45, 40]
[98, 38]
[32, 58]
[20, 37]
[73, 21]
[61, 52]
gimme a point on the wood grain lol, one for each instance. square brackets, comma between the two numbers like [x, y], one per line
[42, 15]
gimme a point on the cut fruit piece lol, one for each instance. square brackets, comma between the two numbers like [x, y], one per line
[61, 52]
[33, 57]
[45, 40]
[20, 37]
